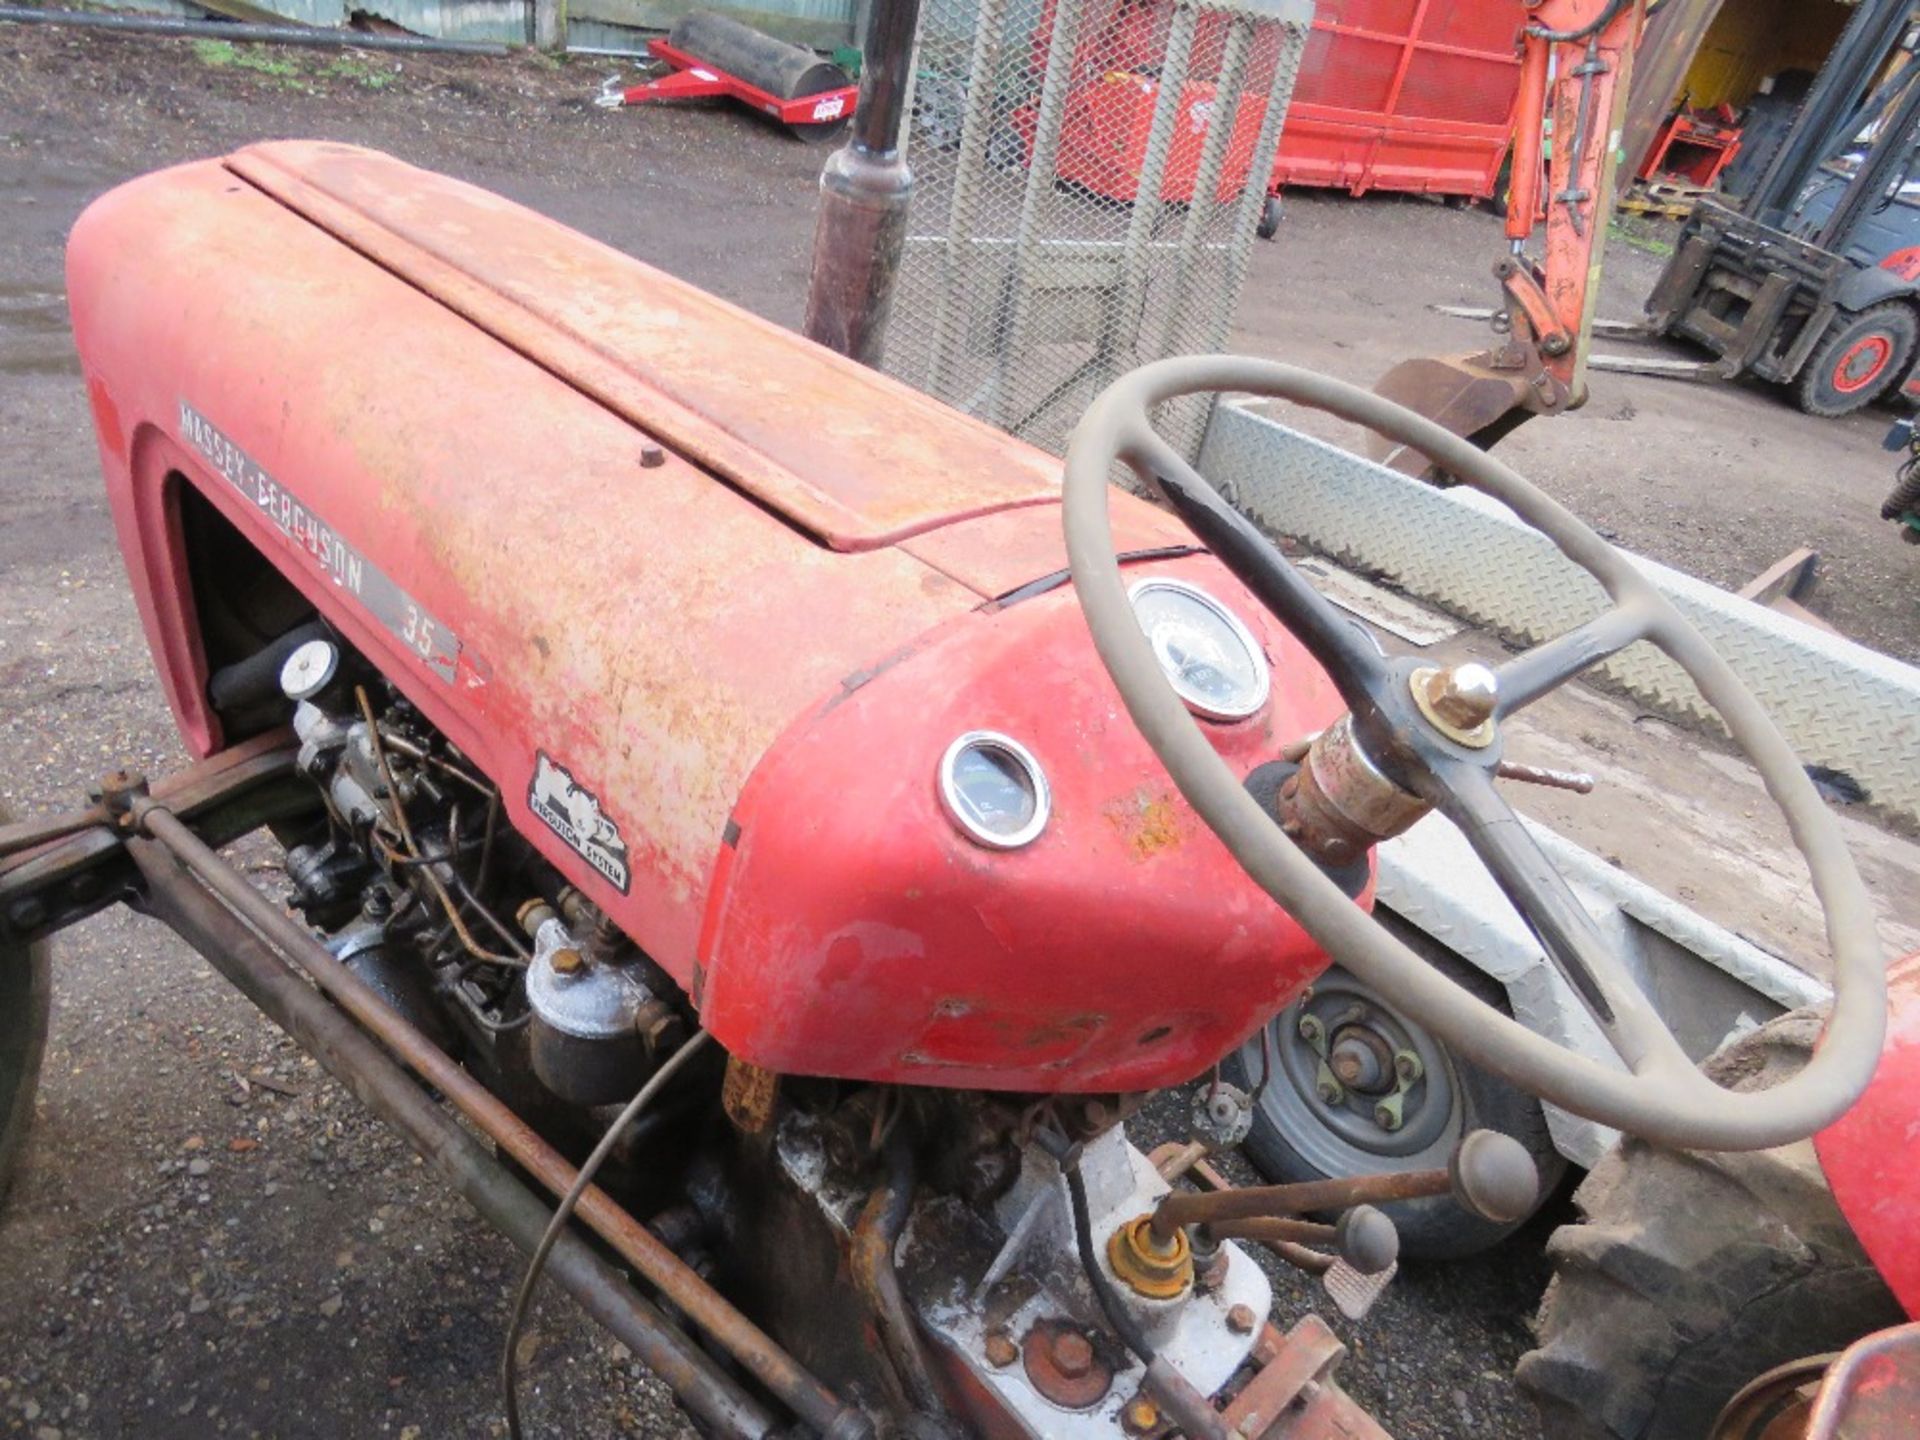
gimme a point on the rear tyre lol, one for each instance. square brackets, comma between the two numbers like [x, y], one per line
[1692, 1273]
[1859, 360]
[26, 989]
[1297, 1135]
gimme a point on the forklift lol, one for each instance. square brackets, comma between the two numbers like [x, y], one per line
[1813, 280]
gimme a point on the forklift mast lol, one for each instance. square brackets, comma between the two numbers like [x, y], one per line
[1830, 114]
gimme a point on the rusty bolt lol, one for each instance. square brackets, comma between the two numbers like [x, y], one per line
[119, 790]
[1001, 1351]
[1140, 1416]
[1212, 1275]
[1240, 1319]
[1072, 1354]
[565, 961]
[660, 1029]
[652, 456]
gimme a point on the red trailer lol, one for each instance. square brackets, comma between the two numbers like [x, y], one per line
[1392, 94]
[1404, 95]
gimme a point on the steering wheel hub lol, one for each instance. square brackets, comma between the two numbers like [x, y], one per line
[1459, 701]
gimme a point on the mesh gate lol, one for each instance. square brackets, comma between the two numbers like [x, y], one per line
[1089, 176]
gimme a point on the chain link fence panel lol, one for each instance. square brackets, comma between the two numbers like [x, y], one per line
[1089, 179]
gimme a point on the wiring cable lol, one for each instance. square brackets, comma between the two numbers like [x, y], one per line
[509, 1378]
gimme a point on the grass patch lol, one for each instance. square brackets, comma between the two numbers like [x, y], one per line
[293, 70]
[360, 71]
[1635, 239]
[225, 55]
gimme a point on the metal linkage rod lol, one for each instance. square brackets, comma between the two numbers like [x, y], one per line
[703, 1306]
[175, 895]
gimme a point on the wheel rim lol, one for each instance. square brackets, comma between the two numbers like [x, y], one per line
[1862, 363]
[1343, 1137]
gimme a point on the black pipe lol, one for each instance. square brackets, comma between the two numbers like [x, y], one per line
[886, 62]
[245, 31]
[231, 947]
[864, 191]
[875, 1271]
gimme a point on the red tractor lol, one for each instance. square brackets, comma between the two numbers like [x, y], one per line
[654, 707]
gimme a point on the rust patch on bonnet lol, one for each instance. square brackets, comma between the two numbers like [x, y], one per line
[1150, 823]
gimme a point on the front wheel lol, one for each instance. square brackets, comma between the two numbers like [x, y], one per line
[26, 989]
[1358, 1089]
[1860, 358]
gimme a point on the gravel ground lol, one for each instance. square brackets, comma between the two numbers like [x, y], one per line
[212, 1239]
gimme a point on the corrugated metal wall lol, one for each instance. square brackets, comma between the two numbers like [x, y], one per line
[596, 24]
[820, 23]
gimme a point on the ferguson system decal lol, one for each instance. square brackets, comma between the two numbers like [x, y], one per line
[573, 813]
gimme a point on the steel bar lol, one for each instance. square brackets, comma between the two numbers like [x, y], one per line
[1169, 88]
[1035, 194]
[704, 1306]
[53, 883]
[1183, 1208]
[247, 33]
[176, 896]
[976, 127]
[1275, 1228]
[1205, 205]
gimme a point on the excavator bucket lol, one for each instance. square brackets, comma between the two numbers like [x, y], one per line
[1463, 395]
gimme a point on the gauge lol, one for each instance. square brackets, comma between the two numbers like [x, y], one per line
[994, 789]
[1209, 657]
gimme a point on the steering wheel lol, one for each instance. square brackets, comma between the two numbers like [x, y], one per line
[1415, 739]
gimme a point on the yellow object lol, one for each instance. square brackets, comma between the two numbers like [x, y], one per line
[1752, 39]
[1159, 1270]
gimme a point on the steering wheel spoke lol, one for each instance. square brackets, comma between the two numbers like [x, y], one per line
[1540, 671]
[1566, 931]
[1338, 641]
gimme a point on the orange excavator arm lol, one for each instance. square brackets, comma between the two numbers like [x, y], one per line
[1576, 59]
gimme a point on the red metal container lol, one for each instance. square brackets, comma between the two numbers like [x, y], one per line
[1392, 95]
[1404, 95]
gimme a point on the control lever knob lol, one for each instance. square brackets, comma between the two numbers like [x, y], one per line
[1494, 1177]
[1367, 1239]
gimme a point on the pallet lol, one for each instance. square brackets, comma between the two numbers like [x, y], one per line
[1671, 198]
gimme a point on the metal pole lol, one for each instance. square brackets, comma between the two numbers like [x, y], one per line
[212, 928]
[1034, 195]
[246, 32]
[1667, 48]
[704, 1306]
[970, 163]
[864, 191]
[1229, 94]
